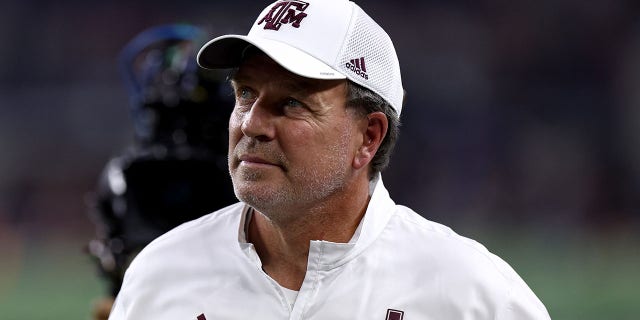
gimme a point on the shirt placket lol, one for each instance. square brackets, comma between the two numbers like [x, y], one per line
[309, 287]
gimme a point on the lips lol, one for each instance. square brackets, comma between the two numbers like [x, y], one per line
[254, 159]
[248, 152]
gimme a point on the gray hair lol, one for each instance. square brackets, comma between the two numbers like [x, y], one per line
[365, 102]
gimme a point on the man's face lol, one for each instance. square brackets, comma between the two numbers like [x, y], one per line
[291, 139]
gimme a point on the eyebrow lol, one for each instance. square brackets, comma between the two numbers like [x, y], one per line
[299, 85]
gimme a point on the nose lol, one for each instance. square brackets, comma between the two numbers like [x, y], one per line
[258, 122]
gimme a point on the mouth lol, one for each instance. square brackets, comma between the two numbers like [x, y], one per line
[256, 161]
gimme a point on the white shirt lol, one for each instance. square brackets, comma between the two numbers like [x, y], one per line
[398, 265]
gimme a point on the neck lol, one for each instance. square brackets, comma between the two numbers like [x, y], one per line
[283, 246]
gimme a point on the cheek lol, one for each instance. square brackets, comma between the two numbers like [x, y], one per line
[299, 134]
[321, 143]
[235, 124]
[346, 140]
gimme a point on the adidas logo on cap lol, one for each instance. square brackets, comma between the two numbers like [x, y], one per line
[358, 67]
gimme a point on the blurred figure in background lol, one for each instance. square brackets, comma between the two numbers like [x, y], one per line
[176, 169]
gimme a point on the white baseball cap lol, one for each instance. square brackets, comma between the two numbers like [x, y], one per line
[319, 39]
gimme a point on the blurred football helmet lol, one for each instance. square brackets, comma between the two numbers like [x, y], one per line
[176, 169]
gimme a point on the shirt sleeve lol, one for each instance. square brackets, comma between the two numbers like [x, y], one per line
[117, 311]
[120, 305]
[523, 304]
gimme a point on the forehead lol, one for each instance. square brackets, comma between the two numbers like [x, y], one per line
[259, 68]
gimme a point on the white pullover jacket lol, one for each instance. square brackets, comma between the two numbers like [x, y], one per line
[398, 266]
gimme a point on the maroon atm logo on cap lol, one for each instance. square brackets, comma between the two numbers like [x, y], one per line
[284, 12]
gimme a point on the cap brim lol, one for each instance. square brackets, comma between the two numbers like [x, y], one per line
[226, 52]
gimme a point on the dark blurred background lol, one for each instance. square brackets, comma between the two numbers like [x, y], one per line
[521, 129]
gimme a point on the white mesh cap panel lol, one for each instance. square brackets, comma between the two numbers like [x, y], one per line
[369, 45]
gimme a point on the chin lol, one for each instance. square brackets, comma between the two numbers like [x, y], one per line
[254, 195]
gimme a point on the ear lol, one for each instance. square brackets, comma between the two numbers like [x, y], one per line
[374, 129]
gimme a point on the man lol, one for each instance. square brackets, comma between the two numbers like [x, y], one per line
[316, 235]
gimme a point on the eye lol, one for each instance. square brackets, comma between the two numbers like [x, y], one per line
[244, 94]
[293, 103]
[295, 108]
[245, 98]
